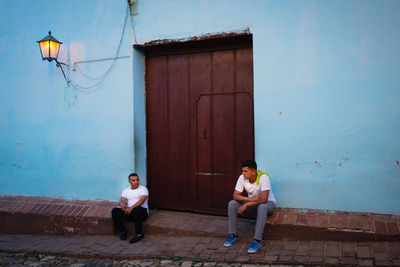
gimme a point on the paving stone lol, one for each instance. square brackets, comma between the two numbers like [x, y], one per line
[35, 264]
[186, 264]
[383, 263]
[332, 250]
[300, 259]
[394, 249]
[364, 252]
[365, 262]
[396, 262]
[291, 245]
[330, 260]
[288, 252]
[270, 258]
[46, 258]
[349, 260]
[242, 258]
[316, 259]
[285, 258]
[146, 263]
[379, 247]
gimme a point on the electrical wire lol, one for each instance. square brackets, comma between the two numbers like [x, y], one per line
[84, 89]
[133, 30]
[86, 75]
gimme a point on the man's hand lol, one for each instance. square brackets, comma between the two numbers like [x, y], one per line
[258, 199]
[122, 203]
[128, 210]
[123, 206]
[241, 209]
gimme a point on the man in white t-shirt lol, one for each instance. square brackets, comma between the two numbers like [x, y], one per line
[132, 207]
[260, 202]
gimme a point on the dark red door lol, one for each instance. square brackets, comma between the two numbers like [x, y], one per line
[199, 127]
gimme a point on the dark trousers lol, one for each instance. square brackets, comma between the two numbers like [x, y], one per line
[138, 215]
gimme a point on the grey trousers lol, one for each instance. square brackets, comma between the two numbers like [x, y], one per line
[260, 212]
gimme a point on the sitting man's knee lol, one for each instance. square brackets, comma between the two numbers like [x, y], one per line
[115, 211]
[263, 206]
[232, 203]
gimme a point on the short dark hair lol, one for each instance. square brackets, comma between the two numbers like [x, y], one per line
[132, 174]
[251, 164]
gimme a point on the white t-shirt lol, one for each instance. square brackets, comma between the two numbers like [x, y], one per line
[253, 189]
[133, 196]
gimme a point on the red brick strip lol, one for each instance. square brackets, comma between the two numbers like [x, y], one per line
[54, 206]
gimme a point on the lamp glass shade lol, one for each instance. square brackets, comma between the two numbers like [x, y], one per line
[49, 50]
[49, 47]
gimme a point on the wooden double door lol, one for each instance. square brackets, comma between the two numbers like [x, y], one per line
[200, 127]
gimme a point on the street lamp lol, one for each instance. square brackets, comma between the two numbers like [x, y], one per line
[49, 48]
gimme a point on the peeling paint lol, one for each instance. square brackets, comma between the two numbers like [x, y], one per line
[317, 163]
[340, 163]
[280, 112]
[18, 144]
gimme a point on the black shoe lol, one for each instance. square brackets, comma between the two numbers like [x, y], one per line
[122, 236]
[136, 238]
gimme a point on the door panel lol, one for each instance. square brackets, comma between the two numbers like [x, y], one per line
[204, 176]
[178, 119]
[223, 72]
[244, 130]
[157, 139]
[223, 148]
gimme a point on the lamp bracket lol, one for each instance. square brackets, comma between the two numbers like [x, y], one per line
[94, 60]
[60, 64]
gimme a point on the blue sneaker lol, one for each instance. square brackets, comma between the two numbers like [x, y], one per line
[232, 239]
[254, 247]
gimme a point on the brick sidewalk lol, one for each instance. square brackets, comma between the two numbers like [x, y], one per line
[335, 253]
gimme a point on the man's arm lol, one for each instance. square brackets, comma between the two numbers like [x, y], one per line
[254, 201]
[239, 197]
[122, 203]
[141, 200]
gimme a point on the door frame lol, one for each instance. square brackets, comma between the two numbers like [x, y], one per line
[209, 43]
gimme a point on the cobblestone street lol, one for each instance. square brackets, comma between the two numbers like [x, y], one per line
[25, 259]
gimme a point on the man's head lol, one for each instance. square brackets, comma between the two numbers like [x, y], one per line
[249, 169]
[134, 180]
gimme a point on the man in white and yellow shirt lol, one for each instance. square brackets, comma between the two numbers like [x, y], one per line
[260, 202]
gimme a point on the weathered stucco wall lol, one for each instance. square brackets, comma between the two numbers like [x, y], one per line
[326, 82]
[54, 139]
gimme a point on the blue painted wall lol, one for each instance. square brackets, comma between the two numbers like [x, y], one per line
[55, 140]
[326, 82]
